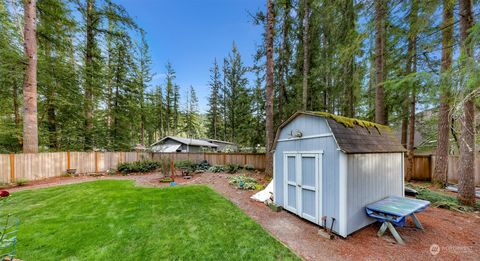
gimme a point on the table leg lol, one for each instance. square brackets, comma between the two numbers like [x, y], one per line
[416, 221]
[382, 229]
[395, 233]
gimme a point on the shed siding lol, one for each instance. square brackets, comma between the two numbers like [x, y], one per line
[310, 126]
[371, 177]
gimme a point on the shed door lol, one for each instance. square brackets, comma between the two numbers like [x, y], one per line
[302, 183]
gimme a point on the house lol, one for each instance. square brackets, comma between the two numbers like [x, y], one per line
[331, 166]
[178, 144]
[223, 146]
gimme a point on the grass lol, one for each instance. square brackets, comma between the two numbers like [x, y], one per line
[113, 220]
[442, 200]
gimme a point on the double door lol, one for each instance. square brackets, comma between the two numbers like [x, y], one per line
[303, 180]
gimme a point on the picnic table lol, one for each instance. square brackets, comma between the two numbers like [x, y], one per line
[394, 211]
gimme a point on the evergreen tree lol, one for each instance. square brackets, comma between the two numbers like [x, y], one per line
[214, 103]
[191, 128]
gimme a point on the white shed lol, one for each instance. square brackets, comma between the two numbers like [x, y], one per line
[332, 166]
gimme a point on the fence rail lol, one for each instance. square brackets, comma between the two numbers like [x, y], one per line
[424, 166]
[38, 166]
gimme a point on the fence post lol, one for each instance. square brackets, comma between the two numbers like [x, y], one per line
[96, 161]
[12, 167]
[68, 159]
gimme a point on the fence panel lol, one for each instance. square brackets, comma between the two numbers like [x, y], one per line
[35, 166]
[422, 167]
[5, 168]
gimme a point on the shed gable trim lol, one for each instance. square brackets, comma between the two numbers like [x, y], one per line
[307, 137]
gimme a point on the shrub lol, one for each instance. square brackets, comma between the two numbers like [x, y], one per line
[243, 182]
[248, 167]
[232, 168]
[111, 172]
[185, 165]
[203, 165]
[217, 168]
[164, 166]
[189, 166]
[166, 180]
[138, 166]
[21, 182]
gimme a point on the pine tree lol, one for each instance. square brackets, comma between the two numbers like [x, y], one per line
[143, 78]
[214, 107]
[191, 114]
[466, 182]
[269, 88]
[443, 144]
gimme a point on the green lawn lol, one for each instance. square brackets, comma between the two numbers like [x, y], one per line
[113, 220]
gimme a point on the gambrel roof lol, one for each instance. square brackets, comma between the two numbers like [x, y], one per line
[356, 136]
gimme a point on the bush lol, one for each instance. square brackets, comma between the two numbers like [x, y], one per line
[203, 165]
[189, 166]
[166, 180]
[138, 166]
[217, 168]
[248, 167]
[185, 165]
[21, 182]
[232, 168]
[164, 166]
[243, 182]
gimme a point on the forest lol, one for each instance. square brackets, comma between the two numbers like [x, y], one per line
[77, 75]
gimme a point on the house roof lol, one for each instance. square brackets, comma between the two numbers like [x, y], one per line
[219, 141]
[357, 136]
[188, 141]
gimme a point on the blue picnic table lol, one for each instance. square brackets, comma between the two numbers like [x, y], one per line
[394, 211]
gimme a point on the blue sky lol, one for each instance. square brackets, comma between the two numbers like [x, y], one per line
[191, 33]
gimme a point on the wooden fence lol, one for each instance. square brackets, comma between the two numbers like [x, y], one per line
[53, 164]
[424, 166]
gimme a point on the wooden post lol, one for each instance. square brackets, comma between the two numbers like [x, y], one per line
[96, 161]
[12, 167]
[244, 159]
[224, 158]
[68, 159]
[172, 170]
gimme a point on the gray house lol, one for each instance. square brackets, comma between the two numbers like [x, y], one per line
[178, 144]
[223, 146]
[331, 166]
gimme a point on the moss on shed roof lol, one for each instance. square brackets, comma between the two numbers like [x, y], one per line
[351, 122]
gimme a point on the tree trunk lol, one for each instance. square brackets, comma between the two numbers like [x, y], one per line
[30, 124]
[88, 102]
[411, 67]
[380, 111]
[283, 62]
[443, 140]
[404, 126]
[306, 64]
[466, 182]
[269, 90]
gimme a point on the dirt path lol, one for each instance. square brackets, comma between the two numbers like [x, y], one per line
[457, 234]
